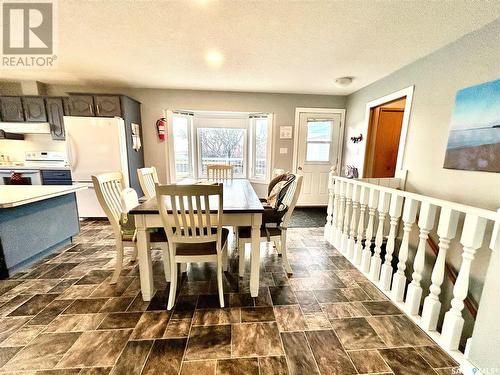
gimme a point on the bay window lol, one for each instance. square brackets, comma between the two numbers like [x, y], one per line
[242, 140]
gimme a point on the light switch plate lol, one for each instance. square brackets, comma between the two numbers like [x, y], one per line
[283, 150]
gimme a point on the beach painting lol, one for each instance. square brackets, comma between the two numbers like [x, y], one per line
[474, 139]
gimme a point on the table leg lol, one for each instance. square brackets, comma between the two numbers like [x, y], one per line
[255, 255]
[144, 257]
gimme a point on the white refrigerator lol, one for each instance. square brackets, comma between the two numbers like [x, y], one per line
[94, 145]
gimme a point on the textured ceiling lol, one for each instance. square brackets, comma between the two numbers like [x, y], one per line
[268, 46]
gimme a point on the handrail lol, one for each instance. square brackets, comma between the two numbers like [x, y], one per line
[487, 214]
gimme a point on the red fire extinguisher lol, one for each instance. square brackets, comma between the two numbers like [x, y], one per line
[161, 126]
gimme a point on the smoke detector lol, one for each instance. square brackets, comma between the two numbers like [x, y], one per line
[343, 81]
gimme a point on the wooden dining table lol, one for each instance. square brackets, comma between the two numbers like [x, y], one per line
[241, 208]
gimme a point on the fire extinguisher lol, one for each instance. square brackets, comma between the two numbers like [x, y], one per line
[161, 126]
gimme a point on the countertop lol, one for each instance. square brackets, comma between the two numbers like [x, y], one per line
[32, 167]
[17, 195]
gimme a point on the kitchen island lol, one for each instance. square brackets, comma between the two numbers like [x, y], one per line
[35, 220]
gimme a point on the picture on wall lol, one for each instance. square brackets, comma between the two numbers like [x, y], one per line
[474, 140]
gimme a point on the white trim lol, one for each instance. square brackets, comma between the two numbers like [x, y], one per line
[406, 92]
[332, 111]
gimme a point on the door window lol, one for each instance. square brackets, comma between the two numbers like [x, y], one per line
[319, 135]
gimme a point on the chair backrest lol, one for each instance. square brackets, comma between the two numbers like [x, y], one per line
[219, 172]
[277, 172]
[108, 188]
[290, 199]
[191, 213]
[129, 199]
[147, 179]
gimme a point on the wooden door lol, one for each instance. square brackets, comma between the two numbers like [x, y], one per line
[107, 106]
[81, 105]
[11, 109]
[383, 142]
[55, 115]
[34, 109]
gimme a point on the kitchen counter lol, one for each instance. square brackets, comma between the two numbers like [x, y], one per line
[17, 195]
[32, 167]
[35, 221]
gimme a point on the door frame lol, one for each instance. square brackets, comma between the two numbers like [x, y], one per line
[406, 92]
[332, 111]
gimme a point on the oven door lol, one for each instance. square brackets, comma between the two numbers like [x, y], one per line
[25, 177]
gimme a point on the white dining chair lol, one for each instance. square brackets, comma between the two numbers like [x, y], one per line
[194, 233]
[116, 201]
[219, 172]
[276, 234]
[147, 179]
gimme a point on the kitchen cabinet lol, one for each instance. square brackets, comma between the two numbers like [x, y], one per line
[107, 106]
[81, 105]
[34, 109]
[11, 108]
[55, 117]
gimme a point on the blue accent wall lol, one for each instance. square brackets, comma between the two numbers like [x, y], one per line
[30, 231]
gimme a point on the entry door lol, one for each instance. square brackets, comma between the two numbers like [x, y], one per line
[319, 138]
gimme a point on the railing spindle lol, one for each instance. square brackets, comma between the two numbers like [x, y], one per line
[447, 228]
[358, 248]
[327, 235]
[399, 280]
[347, 216]
[472, 239]
[425, 223]
[340, 216]
[372, 207]
[376, 261]
[395, 213]
[354, 220]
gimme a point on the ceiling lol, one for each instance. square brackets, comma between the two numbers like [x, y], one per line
[266, 46]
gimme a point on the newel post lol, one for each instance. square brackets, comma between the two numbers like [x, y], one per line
[425, 223]
[472, 239]
[447, 228]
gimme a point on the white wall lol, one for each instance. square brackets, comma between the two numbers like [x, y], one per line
[471, 60]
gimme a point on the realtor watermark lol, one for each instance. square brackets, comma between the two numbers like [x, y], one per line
[28, 34]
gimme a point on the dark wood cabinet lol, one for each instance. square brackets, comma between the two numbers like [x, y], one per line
[81, 105]
[55, 116]
[34, 109]
[11, 108]
[107, 106]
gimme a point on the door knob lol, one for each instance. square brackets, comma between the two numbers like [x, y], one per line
[299, 168]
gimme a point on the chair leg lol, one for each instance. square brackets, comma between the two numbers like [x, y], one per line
[119, 262]
[241, 261]
[284, 251]
[219, 281]
[166, 260]
[225, 258]
[278, 245]
[236, 237]
[173, 283]
[134, 254]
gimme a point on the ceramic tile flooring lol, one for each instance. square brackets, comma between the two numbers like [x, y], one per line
[62, 317]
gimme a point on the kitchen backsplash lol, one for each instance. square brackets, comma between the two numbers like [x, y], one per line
[32, 142]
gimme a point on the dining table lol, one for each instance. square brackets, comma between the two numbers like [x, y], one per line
[241, 208]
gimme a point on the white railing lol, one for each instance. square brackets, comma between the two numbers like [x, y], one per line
[182, 166]
[356, 207]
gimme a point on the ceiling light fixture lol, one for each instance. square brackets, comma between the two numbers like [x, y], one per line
[214, 58]
[343, 81]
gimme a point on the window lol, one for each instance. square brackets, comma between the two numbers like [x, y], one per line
[319, 135]
[222, 146]
[239, 139]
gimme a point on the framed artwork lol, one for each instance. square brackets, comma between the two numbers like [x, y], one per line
[286, 132]
[474, 139]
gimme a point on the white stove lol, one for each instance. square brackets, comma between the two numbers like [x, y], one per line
[45, 159]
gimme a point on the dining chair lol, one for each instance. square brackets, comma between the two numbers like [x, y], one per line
[192, 218]
[276, 234]
[147, 179]
[116, 200]
[219, 172]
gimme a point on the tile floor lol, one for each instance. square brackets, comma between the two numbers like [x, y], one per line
[62, 317]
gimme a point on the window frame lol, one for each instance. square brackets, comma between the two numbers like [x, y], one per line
[252, 150]
[329, 142]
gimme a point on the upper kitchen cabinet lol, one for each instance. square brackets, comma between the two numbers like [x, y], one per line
[107, 106]
[11, 108]
[55, 115]
[81, 105]
[34, 109]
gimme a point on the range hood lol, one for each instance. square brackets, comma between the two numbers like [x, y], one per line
[25, 127]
